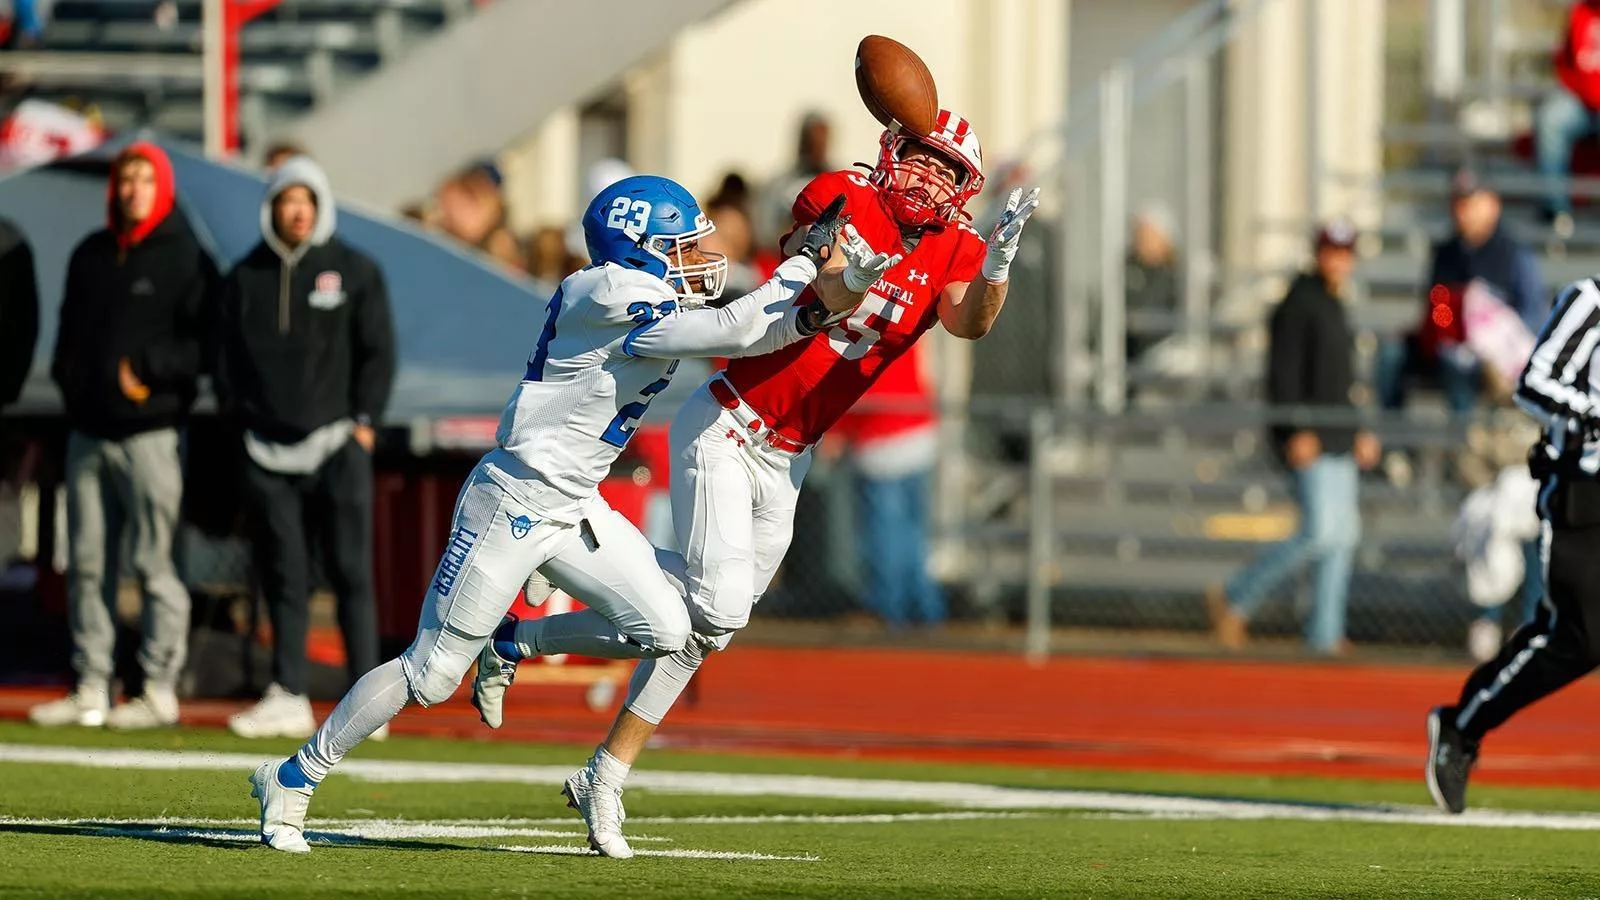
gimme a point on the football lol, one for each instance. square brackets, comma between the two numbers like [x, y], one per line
[895, 85]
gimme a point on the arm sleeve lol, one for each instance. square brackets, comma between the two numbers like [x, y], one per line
[1287, 349]
[63, 368]
[1549, 389]
[1532, 301]
[175, 362]
[759, 322]
[19, 318]
[1289, 342]
[967, 263]
[373, 351]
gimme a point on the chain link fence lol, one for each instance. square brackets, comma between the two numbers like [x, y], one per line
[1121, 523]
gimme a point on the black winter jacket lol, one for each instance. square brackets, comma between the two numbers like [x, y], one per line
[148, 303]
[306, 344]
[1309, 360]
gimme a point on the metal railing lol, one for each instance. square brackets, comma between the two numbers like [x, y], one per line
[1092, 170]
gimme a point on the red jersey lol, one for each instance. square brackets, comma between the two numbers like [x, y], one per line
[801, 390]
[899, 402]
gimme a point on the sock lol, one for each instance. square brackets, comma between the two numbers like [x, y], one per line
[656, 683]
[608, 769]
[586, 633]
[375, 699]
[505, 641]
[292, 775]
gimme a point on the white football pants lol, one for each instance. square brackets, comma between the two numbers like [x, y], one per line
[733, 502]
[495, 543]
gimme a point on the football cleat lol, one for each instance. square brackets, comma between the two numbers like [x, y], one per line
[283, 809]
[600, 805]
[494, 676]
[1451, 756]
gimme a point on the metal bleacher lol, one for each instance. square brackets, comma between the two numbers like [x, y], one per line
[1149, 507]
[113, 54]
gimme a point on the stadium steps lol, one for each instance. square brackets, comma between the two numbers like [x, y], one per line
[478, 86]
[300, 54]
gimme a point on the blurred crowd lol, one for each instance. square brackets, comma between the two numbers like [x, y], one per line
[471, 207]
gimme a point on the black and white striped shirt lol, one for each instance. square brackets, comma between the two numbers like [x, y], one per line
[1561, 385]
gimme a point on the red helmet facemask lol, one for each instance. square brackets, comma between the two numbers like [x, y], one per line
[919, 194]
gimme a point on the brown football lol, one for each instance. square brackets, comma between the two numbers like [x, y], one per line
[895, 85]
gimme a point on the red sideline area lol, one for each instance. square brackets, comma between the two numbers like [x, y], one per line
[1148, 714]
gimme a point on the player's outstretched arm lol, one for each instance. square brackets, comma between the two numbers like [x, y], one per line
[968, 309]
[760, 321]
[767, 319]
[849, 272]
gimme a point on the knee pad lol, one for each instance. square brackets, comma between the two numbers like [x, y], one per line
[670, 635]
[716, 619]
[427, 684]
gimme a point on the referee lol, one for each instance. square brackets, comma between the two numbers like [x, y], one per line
[1562, 642]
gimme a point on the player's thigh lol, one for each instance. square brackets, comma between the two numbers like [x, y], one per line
[773, 525]
[494, 544]
[713, 515]
[611, 568]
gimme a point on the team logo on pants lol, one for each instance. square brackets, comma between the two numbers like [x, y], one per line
[520, 525]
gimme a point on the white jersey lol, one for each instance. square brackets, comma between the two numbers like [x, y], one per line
[610, 344]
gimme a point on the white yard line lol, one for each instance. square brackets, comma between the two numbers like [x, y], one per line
[955, 794]
[564, 850]
[491, 827]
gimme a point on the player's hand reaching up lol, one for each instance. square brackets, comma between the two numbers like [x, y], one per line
[824, 232]
[1007, 235]
[863, 265]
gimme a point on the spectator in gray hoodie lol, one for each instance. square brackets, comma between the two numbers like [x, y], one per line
[306, 362]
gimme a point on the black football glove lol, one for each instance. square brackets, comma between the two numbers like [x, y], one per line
[824, 231]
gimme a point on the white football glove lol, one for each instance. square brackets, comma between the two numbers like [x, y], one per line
[863, 265]
[1007, 234]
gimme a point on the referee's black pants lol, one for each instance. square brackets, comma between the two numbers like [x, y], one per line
[334, 503]
[1562, 642]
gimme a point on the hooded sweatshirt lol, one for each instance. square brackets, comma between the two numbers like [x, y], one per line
[1577, 60]
[306, 348]
[137, 291]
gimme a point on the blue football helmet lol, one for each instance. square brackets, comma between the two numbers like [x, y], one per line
[647, 222]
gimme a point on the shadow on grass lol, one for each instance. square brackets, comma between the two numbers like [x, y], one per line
[221, 838]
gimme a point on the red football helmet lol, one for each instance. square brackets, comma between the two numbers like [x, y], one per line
[918, 194]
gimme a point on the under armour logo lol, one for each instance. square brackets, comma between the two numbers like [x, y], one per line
[520, 525]
[735, 437]
[919, 277]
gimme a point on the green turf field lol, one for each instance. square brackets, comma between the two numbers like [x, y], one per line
[93, 814]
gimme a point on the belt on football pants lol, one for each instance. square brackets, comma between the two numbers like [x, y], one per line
[724, 394]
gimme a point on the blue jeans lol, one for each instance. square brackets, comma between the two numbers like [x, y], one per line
[1330, 529]
[1561, 122]
[1458, 376]
[894, 546]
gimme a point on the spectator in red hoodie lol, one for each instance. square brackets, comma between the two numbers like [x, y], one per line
[1571, 112]
[127, 358]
